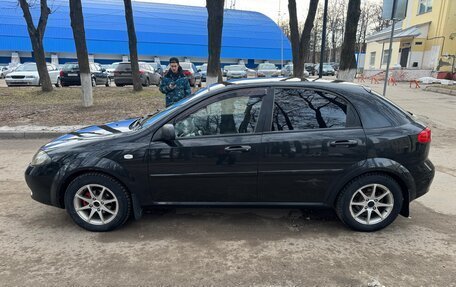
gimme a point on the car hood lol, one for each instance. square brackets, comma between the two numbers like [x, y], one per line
[96, 132]
[25, 73]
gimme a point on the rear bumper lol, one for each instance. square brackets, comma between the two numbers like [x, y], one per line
[424, 175]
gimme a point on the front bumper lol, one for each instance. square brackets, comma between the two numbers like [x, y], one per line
[40, 180]
[23, 82]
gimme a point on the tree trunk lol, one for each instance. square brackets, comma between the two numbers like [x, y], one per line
[300, 44]
[77, 25]
[36, 39]
[214, 29]
[347, 68]
[137, 85]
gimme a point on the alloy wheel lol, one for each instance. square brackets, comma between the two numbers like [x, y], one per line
[371, 204]
[96, 204]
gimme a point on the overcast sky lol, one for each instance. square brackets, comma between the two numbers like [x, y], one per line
[269, 8]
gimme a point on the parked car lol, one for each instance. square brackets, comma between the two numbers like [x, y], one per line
[27, 75]
[8, 70]
[310, 68]
[267, 70]
[328, 70]
[70, 75]
[236, 72]
[2, 70]
[203, 72]
[194, 77]
[157, 67]
[287, 71]
[148, 75]
[255, 142]
[111, 68]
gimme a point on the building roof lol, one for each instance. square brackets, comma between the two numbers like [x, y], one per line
[410, 32]
[161, 29]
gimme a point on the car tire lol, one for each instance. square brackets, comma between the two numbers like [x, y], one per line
[369, 202]
[94, 82]
[97, 202]
[58, 84]
[147, 83]
[108, 82]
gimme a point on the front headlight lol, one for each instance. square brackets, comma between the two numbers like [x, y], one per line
[40, 158]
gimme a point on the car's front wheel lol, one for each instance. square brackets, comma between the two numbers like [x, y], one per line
[97, 202]
[369, 202]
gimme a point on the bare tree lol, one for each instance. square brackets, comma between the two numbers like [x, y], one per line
[300, 44]
[36, 38]
[137, 86]
[347, 69]
[77, 25]
[214, 29]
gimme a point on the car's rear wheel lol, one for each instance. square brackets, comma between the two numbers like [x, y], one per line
[369, 202]
[97, 202]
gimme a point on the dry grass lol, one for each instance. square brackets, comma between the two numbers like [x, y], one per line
[451, 87]
[63, 106]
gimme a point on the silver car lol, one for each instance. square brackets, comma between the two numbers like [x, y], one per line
[236, 71]
[27, 75]
[267, 70]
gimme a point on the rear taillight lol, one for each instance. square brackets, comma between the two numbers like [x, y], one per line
[141, 72]
[61, 74]
[187, 73]
[424, 136]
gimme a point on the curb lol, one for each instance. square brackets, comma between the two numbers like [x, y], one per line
[29, 135]
[441, 91]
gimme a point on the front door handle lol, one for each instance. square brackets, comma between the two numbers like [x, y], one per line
[344, 143]
[238, 148]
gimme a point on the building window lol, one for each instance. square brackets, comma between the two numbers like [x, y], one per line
[372, 58]
[385, 57]
[424, 6]
[418, 43]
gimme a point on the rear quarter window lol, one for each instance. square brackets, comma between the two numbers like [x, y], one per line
[376, 112]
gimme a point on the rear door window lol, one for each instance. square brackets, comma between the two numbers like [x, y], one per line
[304, 109]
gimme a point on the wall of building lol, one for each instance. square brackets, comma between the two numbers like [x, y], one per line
[378, 48]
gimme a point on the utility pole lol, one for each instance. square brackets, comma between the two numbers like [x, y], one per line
[390, 48]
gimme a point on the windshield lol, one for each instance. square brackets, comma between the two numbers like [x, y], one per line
[203, 67]
[267, 66]
[329, 67]
[71, 66]
[236, 68]
[26, 67]
[114, 65]
[186, 66]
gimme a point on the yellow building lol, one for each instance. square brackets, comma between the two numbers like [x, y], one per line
[421, 41]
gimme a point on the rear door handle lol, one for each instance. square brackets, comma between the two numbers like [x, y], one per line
[238, 148]
[344, 143]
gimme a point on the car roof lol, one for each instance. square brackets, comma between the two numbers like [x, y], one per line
[330, 85]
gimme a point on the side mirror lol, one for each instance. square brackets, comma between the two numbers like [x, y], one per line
[165, 133]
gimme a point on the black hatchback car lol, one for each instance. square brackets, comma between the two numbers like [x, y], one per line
[282, 142]
[69, 75]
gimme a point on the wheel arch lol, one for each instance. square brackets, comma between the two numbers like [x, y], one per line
[379, 166]
[60, 190]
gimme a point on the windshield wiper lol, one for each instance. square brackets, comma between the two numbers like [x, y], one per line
[139, 122]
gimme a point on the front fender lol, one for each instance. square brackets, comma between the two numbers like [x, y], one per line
[80, 165]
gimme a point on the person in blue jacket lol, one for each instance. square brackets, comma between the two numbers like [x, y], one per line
[175, 84]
